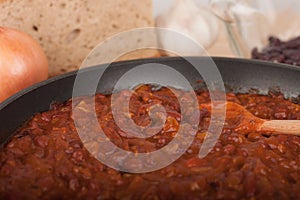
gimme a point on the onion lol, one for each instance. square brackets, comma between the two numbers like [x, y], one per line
[22, 62]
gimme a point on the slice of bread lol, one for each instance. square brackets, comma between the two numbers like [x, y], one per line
[69, 29]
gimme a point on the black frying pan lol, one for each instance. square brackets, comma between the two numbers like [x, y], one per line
[240, 75]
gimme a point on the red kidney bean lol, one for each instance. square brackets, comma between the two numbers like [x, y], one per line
[287, 52]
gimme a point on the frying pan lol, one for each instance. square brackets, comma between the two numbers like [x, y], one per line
[239, 76]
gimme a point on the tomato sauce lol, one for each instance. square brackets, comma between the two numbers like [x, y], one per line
[45, 159]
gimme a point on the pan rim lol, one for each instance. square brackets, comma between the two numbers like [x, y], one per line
[144, 60]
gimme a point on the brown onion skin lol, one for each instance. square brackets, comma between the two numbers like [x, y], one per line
[22, 62]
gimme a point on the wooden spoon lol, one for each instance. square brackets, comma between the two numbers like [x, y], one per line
[243, 121]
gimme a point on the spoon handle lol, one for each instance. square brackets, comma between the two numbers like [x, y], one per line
[281, 126]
